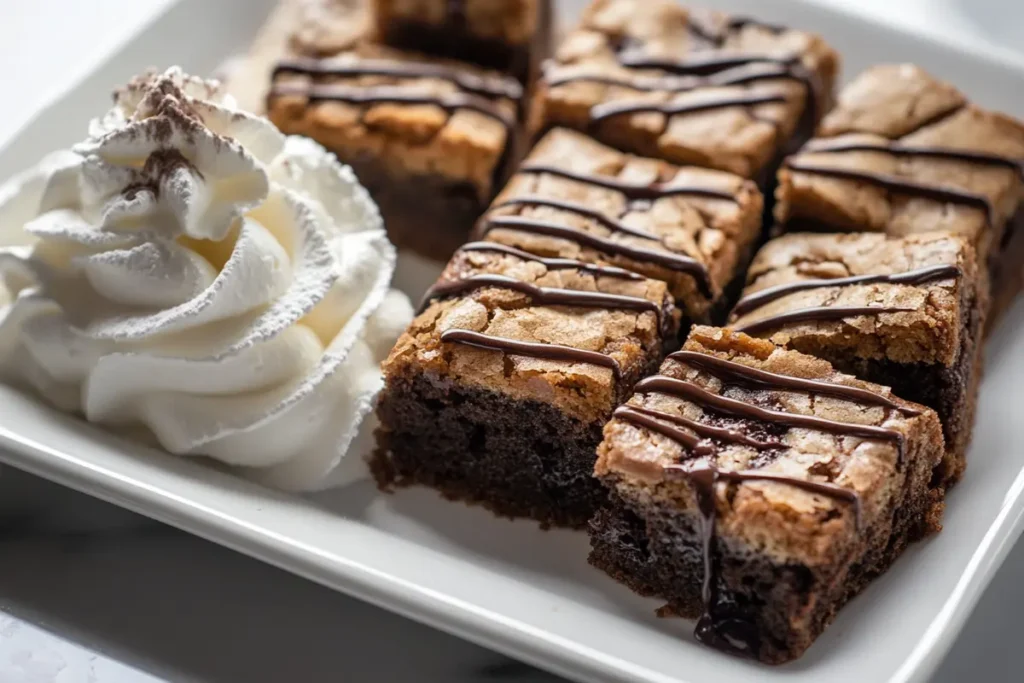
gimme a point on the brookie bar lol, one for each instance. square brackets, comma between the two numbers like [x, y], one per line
[498, 391]
[905, 312]
[431, 139]
[688, 86]
[758, 489]
[904, 153]
[573, 197]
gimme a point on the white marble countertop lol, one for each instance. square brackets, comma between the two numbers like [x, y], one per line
[139, 602]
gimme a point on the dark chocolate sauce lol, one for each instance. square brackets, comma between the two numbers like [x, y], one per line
[553, 263]
[901, 149]
[630, 190]
[485, 86]
[899, 185]
[732, 632]
[691, 392]
[543, 296]
[702, 63]
[450, 102]
[737, 76]
[455, 14]
[532, 349]
[697, 448]
[667, 259]
[607, 110]
[579, 210]
[733, 371]
[680, 262]
[813, 314]
[919, 276]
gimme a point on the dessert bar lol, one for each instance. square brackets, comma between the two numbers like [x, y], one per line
[573, 197]
[758, 489]
[688, 86]
[431, 139]
[904, 153]
[498, 391]
[510, 35]
[906, 312]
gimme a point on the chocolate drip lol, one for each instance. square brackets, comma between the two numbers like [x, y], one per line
[731, 632]
[643, 416]
[691, 392]
[450, 102]
[814, 314]
[919, 276]
[899, 185]
[607, 110]
[692, 265]
[455, 14]
[727, 369]
[901, 149]
[701, 64]
[553, 263]
[737, 76]
[580, 210]
[667, 259]
[532, 349]
[543, 296]
[485, 86]
[630, 190]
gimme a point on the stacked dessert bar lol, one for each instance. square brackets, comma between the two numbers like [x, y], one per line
[759, 477]
[432, 138]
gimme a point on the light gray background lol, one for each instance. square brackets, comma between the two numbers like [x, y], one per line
[90, 594]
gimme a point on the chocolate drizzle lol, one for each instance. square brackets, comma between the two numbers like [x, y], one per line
[898, 185]
[450, 102]
[484, 86]
[607, 110]
[532, 349]
[901, 149]
[655, 421]
[631, 191]
[703, 63]
[815, 314]
[580, 210]
[737, 76]
[918, 276]
[689, 391]
[731, 370]
[731, 632]
[553, 263]
[667, 259]
[544, 296]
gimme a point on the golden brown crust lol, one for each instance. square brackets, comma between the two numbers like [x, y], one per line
[786, 522]
[929, 333]
[740, 139]
[718, 233]
[584, 391]
[459, 144]
[904, 104]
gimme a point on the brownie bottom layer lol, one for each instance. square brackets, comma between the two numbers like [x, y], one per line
[423, 213]
[517, 458]
[776, 609]
[951, 391]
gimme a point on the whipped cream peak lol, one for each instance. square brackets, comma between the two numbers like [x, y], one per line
[189, 268]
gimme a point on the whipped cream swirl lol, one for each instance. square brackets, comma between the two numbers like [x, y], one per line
[189, 269]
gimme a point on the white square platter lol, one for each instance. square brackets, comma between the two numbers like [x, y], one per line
[507, 585]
